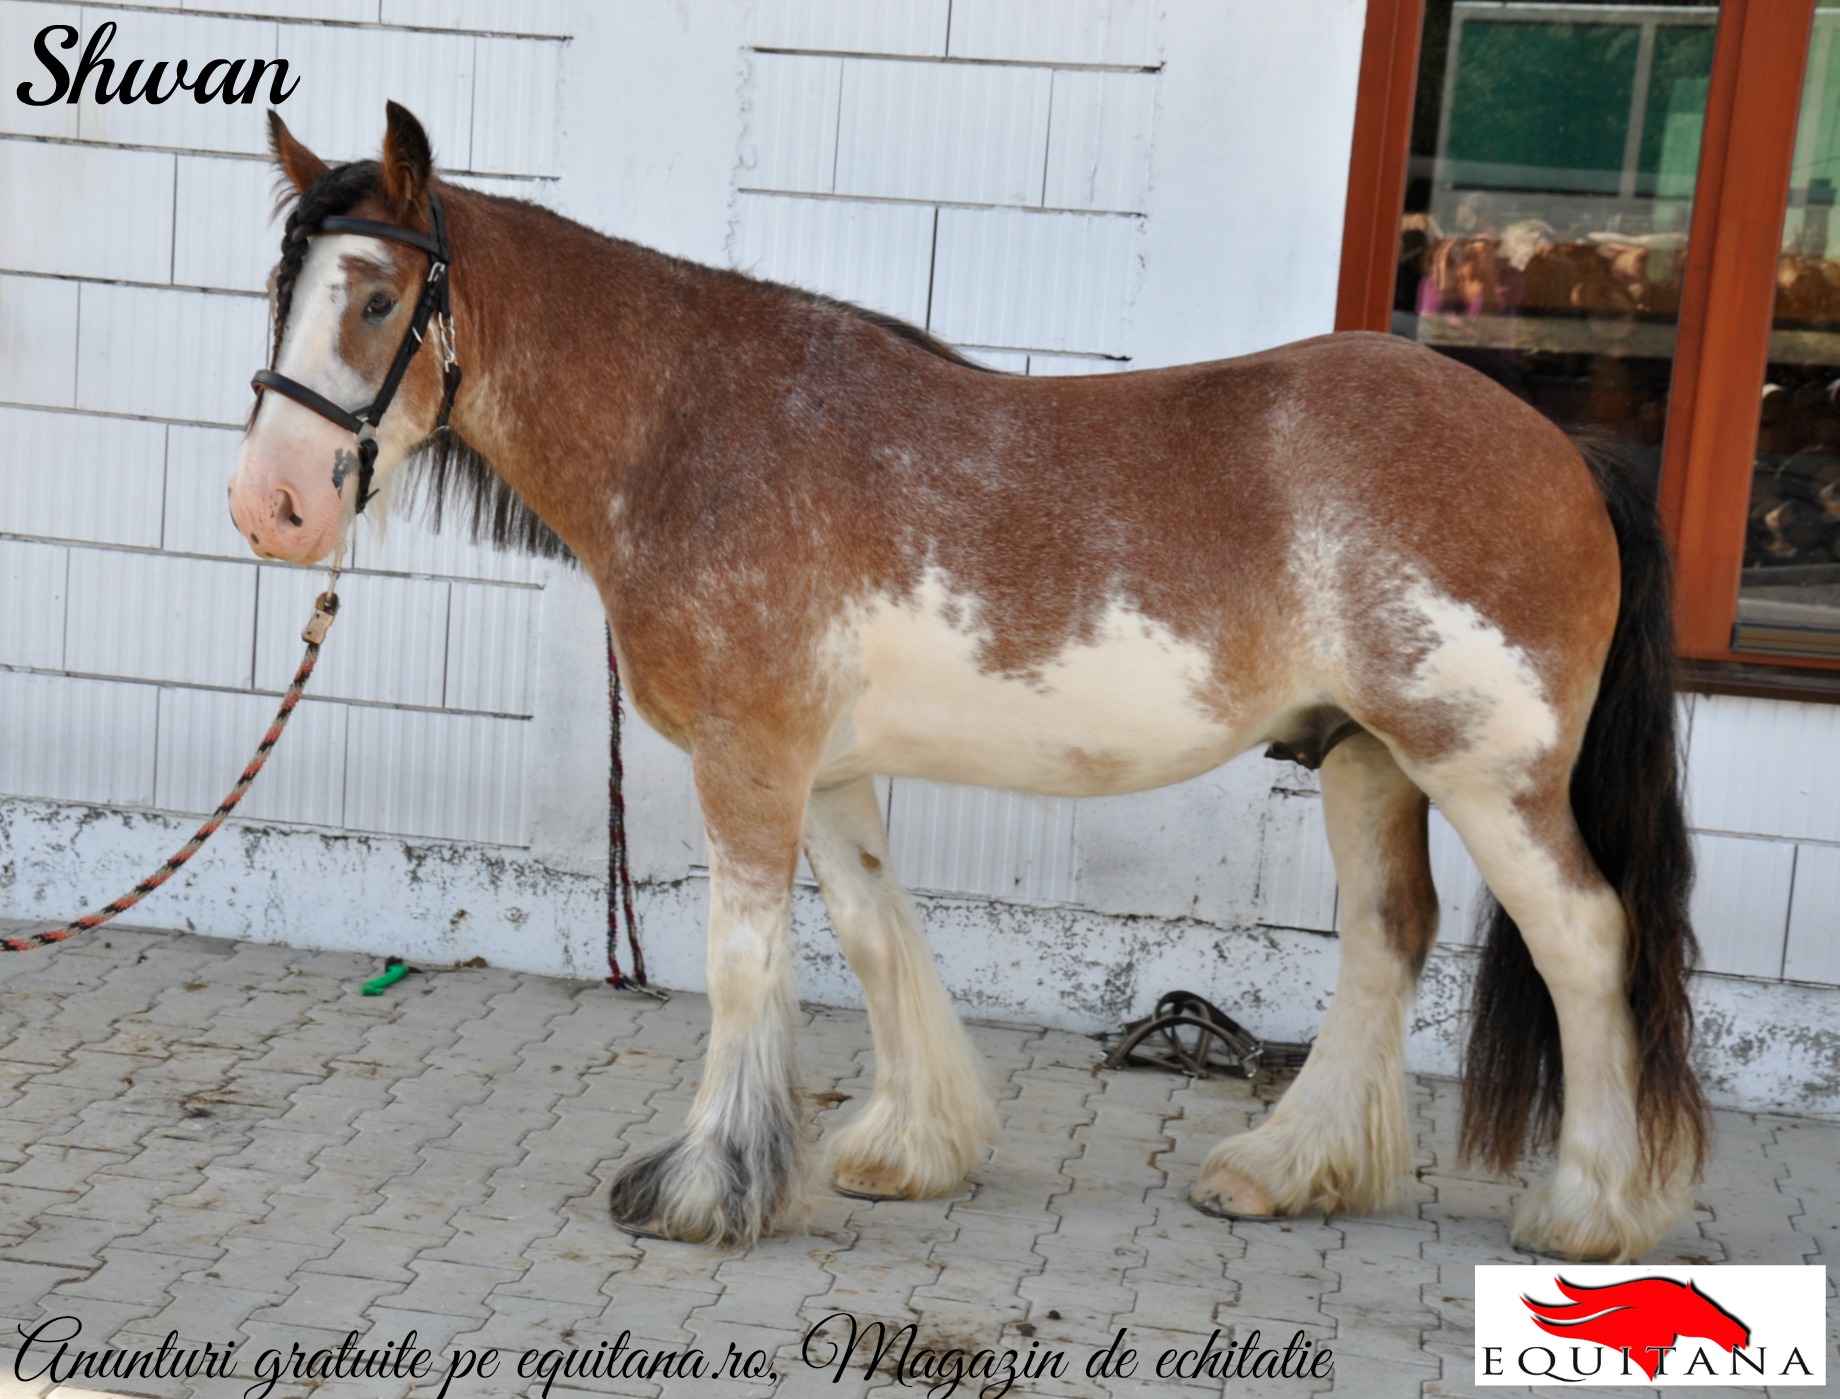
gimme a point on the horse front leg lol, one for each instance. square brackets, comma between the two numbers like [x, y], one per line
[1338, 1141]
[736, 1167]
[931, 1114]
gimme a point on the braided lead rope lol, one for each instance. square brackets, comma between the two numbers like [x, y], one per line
[325, 609]
[619, 867]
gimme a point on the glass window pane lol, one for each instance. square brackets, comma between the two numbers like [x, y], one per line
[1789, 591]
[1554, 150]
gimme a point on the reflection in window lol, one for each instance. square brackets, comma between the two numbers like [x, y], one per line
[1789, 593]
[1549, 194]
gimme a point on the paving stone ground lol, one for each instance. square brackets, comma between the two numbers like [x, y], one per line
[226, 1140]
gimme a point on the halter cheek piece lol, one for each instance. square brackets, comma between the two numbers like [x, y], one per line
[432, 304]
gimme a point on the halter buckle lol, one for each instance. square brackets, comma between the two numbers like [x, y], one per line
[444, 339]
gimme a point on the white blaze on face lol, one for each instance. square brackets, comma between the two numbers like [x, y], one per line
[1117, 712]
[282, 495]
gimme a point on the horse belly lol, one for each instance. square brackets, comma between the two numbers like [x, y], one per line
[1130, 706]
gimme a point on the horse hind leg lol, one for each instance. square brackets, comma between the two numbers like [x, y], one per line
[931, 1114]
[1608, 1199]
[1338, 1139]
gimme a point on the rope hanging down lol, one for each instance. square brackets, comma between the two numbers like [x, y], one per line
[619, 868]
[325, 609]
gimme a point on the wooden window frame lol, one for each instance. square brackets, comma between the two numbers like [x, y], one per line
[1727, 302]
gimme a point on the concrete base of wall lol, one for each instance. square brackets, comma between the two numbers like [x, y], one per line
[1763, 1046]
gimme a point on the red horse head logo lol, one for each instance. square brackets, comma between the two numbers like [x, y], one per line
[1641, 1317]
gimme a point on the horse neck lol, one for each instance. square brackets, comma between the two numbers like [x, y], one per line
[577, 352]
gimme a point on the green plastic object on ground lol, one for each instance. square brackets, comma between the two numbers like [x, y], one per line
[394, 971]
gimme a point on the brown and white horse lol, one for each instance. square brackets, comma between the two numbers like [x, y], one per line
[830, 548]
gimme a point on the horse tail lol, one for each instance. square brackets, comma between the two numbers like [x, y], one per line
[1627, 800]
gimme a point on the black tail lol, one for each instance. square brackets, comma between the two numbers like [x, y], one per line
[1626, 798]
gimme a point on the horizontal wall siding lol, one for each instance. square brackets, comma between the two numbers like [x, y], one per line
[405, 545]
[73, 476]
[1119, 32]
[136, 242]
[877, 255]
[449, 776]
[1058, 282]
[548, 17]
[1751, 768]
[1296, 876]
[1099, 141]
[73, 739]
[1813, 950]
[972, 840]
[225, 234]
[966, 133]
[151, 617]
[162, 353]
[61, 211]
[38, 341]
[1741, 903]
[849, 26]
[392, 636]
[1010, 189]
[491, 637]
[34, 579]
[195, 517]
[173, 37]
[205, 737]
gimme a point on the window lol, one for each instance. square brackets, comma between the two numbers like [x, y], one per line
[1621, 212]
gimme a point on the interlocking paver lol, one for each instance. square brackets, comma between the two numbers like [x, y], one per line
[224, 1140]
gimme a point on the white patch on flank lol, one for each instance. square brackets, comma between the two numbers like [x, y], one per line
[1476, 671]
[1118, 713]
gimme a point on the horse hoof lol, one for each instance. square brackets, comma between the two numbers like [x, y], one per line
[1557, 1255]
[870, 1183]
[1226, 1194]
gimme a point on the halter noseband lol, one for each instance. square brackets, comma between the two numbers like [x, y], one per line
[433, 302]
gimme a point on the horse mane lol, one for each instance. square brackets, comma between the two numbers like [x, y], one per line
[447, 475]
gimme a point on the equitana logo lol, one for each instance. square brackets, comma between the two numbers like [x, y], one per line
[1585, 1325]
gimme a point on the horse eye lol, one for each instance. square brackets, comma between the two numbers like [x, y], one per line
[379, 306]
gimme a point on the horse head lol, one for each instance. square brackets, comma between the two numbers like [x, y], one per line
[348, 314]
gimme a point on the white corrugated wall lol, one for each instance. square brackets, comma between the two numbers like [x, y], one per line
[1075, 187]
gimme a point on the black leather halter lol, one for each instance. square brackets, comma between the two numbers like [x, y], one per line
[363, 422]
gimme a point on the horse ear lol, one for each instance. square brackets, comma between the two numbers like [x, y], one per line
[298, 163]
[408, 160]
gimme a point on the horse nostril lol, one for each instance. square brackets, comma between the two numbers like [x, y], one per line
[287, 509]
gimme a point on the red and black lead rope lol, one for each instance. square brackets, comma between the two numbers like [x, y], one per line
[325, 609]
[619, 868]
